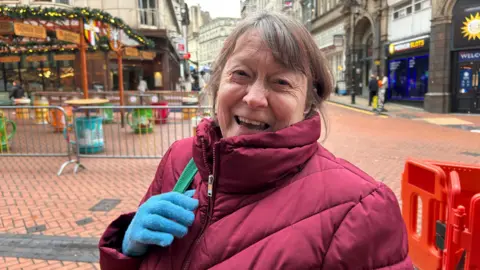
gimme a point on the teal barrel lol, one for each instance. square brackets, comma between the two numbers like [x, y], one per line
[89, 132]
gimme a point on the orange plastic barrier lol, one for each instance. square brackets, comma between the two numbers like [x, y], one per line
[450, 194]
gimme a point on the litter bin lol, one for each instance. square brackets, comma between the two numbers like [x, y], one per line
[22, 113]
[6, 136]
[189, 113]
[140, 120]
[89, 131]
[107, 114]
[161, 115]
[41, 114]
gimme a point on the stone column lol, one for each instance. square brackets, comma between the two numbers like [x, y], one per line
[438, 98]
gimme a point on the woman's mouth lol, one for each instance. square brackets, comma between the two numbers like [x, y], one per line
[251, 124]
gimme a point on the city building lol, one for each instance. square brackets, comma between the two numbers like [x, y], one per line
[198, 18]
[290, 7]
[154, 19]
[454, 57]
[211, 38]
[408, 49]
[325, 20]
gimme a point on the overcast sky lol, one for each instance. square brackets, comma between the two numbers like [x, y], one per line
[219, 8]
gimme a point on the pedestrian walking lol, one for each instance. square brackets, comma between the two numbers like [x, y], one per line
[142, 86]
[17, 90]
[254, 189]
[372, 88]
[381, 93]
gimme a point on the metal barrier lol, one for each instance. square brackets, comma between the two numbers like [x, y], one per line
[149, 132]
[35, 131]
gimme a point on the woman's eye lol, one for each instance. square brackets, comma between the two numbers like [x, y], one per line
[240, 73]
[283, 82]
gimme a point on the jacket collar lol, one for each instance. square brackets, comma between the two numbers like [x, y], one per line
[250, 163]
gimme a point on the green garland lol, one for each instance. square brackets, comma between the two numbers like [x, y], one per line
[57, 14]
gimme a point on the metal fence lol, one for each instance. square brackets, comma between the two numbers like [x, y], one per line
[146, 132]
[35, 131]
[95, 131]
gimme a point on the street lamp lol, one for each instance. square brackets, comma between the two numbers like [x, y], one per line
[355, 70]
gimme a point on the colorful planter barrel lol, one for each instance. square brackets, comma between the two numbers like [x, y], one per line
[41, 114]
[57, 120]
[89, 133]
[141, 120]
[161, 115]
[107, 114]
[22, 113]
[5, 135]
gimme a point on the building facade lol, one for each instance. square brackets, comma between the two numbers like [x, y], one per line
[154, 19]
[198, 18]
[211, 38]
[408, 50]
[455, 57]
[326, 22]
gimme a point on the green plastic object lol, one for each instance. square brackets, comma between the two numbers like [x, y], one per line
[186, 177]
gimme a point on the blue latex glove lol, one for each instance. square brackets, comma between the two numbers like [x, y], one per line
[158, 220]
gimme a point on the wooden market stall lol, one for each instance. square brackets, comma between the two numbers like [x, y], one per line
[32, 36]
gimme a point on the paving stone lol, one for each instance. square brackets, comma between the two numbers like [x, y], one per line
[84, 221]
[105, 205]
[39, 228]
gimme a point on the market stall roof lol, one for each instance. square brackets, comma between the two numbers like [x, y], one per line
[35, 30]
[26, 30]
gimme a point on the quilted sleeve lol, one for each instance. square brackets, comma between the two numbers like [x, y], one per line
[372, 235]
[110, 244]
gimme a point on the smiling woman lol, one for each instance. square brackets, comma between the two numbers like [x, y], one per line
[267, 195]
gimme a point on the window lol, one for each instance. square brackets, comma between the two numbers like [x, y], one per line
[402, 10]
[422, 4]
[147, 12]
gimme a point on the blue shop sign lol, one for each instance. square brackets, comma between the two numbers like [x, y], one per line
[468, 56]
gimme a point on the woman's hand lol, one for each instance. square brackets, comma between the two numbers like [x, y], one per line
[158, 220]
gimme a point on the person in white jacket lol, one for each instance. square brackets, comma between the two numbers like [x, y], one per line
[381, 92]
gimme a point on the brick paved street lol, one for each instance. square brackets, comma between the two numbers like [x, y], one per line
[53, 222]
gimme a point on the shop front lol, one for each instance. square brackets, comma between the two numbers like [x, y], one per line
[408, 69]
[466, 57]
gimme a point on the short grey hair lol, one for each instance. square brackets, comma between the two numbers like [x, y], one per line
[291, 45]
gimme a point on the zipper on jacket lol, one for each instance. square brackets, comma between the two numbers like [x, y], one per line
[211, 179]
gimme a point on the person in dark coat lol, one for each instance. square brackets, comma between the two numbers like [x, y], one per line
[267, 194]
[17, 90]
[373, 88]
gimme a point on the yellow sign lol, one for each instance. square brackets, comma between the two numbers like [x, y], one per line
[6, 28]
[68, 36]
[148, 55]
[377, 62]
[10, 59]
[28, 30]
[64, 57]
[36, 58]
[471, 27]
[400, 47]
[129, 51]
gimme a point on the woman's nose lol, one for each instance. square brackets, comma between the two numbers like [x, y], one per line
[256, 96]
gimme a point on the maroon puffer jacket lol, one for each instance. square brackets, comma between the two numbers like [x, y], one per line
[280, 201]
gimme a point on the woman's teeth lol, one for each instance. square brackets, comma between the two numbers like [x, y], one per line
[251, 123]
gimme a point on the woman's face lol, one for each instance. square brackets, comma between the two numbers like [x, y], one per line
[257, 94]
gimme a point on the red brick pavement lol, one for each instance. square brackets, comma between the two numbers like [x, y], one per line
[34, 195]
[10, 263]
